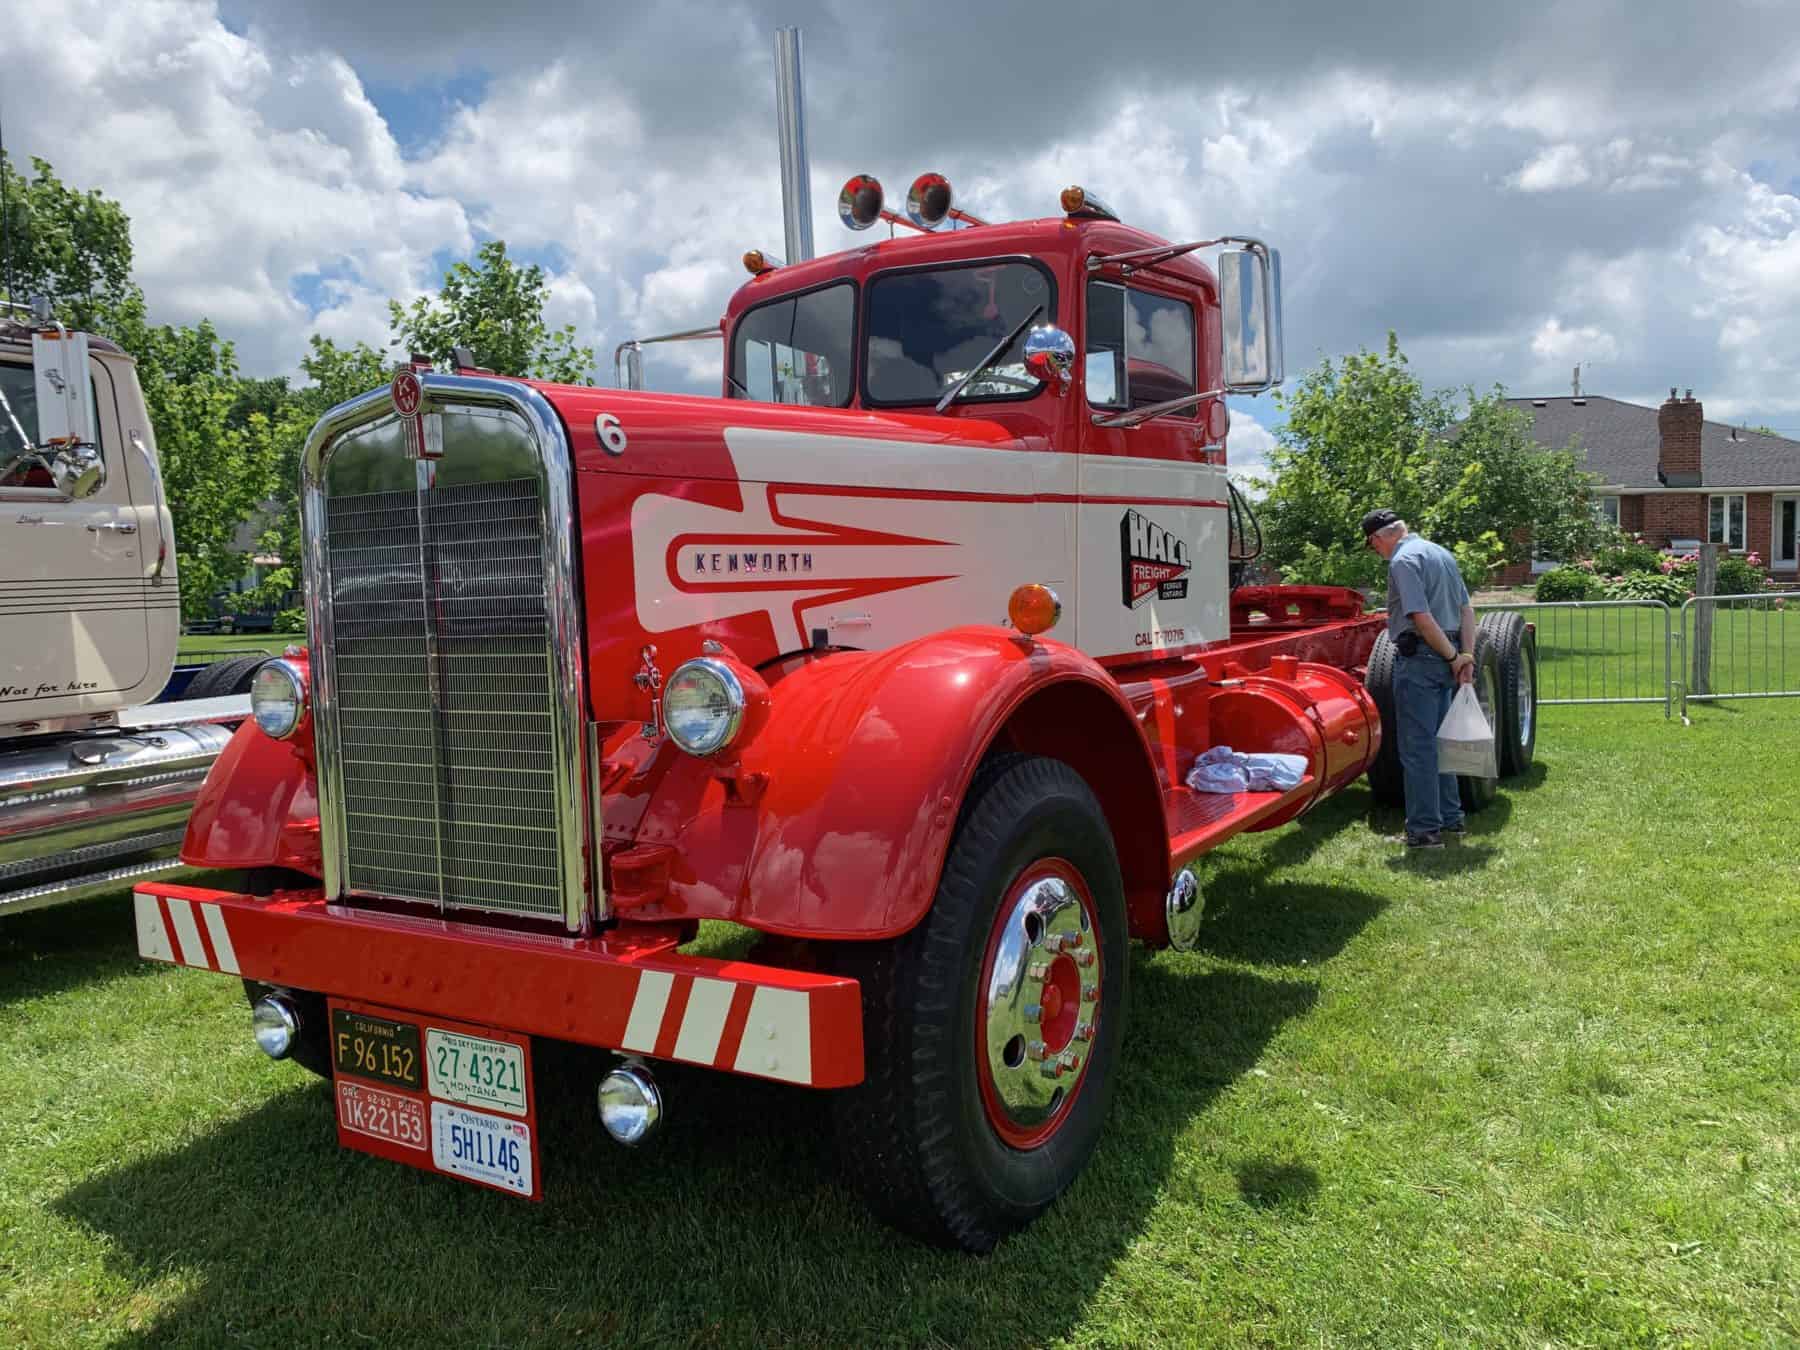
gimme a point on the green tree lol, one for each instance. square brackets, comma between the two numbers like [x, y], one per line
[218, 461]
[71, 246]
[1364, 432]
[496, 309]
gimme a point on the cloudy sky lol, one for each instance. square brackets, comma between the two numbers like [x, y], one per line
[1513, 188]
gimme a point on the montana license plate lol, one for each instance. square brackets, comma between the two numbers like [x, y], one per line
[439, 1095]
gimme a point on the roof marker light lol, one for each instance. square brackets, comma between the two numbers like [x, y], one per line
[1078, 201]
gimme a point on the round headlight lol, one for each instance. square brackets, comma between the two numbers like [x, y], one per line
[275, 1024]
[703, 706]
[278, 699]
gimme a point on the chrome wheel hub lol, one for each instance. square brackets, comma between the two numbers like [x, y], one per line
[1039, 1003]
[1527, 705]
[1184, 908]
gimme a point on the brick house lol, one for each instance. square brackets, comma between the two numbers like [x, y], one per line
[1677, 479]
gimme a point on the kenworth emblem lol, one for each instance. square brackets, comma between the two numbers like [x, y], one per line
[1151, 560]
[408, 393]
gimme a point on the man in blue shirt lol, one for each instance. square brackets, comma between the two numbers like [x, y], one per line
[1432, 624]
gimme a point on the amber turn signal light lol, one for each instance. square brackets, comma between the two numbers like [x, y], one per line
[1033, 609]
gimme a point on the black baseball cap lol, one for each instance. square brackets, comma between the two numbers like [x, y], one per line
[1379, 520]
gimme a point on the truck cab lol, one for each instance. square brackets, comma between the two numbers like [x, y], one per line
[93, 605]
[96, 777]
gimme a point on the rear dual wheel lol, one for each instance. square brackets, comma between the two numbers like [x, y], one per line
[992, 1029]
[1515, 651]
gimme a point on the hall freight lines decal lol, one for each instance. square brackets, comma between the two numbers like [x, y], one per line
[1152, 561]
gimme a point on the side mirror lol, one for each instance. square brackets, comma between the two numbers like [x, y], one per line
[65, 393]
[76, 469]
[1050, 356]
[1250, 309]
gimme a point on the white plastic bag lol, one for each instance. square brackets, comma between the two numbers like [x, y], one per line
[1465, 741]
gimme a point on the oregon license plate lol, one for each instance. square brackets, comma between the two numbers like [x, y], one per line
[439, 1095]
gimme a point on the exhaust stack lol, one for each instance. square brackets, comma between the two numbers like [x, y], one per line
[796, 172]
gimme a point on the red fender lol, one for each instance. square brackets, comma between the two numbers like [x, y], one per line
[835, 820]
[259, 806]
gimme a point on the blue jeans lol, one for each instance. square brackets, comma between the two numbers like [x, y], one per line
[1423, 688]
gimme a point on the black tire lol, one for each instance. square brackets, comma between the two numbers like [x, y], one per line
[1515, 647]
[233, 675]
[1386, 780]
[1478, 793]
[921, 1136]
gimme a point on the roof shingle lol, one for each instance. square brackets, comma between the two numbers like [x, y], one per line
[1621, 443]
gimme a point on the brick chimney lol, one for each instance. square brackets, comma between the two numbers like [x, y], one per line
[1678, 425]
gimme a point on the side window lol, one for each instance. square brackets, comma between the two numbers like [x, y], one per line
[797, 349]
[21, 397]
[1140, 349]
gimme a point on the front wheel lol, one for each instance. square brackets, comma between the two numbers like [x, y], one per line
[992, 1029]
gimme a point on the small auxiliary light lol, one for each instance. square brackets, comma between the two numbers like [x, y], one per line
[630, 1104]
[1078, 201]
[1034, 608]
[756, 262]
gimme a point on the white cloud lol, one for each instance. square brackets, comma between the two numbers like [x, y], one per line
[1553, 168]
[1553, 342]
[1247, 447]
[1526, 205]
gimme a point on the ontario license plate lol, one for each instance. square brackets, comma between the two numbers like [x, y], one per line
[493, 1150]
[439, 1095]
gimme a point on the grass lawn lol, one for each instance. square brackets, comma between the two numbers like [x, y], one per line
[1542, 1088]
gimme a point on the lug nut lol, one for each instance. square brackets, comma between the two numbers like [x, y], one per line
[1054, 1069]
[1090, 993]
[1054, 942]
[1034, 1049]
[1084, 959]
[1072, 941]
[1034, 1012]
[1085, 1032]
[1038, 971]
[1068, 1060]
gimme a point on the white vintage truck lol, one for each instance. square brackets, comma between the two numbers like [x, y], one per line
[96, 775]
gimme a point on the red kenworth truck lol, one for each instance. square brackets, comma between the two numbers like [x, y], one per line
[899, 651]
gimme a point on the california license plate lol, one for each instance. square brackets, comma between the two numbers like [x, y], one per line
[439, 1095]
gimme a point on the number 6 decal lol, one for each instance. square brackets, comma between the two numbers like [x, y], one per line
[611, 434]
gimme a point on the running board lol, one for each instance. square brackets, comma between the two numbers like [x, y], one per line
[1199, 821]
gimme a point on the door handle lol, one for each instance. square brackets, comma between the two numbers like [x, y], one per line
[114, 527]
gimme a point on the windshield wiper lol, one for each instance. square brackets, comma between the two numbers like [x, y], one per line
[988, 360]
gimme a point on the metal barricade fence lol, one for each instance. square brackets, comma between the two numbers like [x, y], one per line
[1754, 652]
[1602, 651]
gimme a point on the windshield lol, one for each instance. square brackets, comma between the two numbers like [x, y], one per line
[797, 349]
[927, 329]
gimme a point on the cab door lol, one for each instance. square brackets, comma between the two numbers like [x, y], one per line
[1154, 511]
[73, 592]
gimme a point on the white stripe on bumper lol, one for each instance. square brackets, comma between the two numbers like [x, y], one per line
[153, 938]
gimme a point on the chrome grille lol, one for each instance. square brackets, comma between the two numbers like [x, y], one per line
[444, 695]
